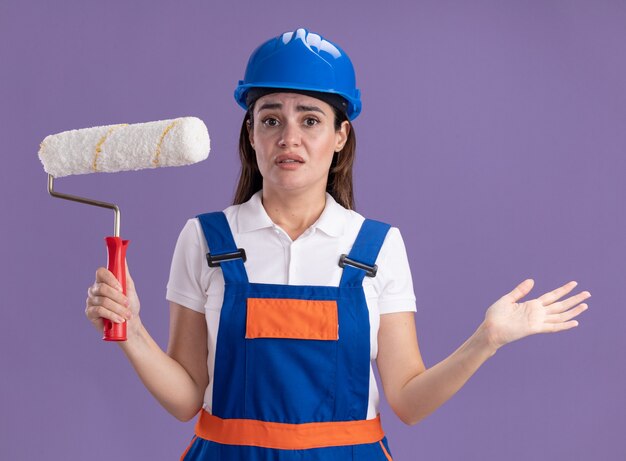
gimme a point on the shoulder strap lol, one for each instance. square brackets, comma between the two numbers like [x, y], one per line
[222, 249]
[360, 261]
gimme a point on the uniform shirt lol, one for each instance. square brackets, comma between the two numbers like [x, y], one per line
[272, 257]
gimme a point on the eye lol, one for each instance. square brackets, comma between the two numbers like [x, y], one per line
[270, 121]
[311, 121]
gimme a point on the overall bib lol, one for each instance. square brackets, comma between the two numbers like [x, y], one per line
[292, 363]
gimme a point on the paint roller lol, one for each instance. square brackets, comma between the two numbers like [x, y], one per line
[112, 148]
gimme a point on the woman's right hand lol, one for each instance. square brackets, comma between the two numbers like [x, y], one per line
[105, 300]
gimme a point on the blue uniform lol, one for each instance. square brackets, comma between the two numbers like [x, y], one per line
[292, 362]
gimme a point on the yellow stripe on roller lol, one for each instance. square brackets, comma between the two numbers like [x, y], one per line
[157, 155]
[102, 140]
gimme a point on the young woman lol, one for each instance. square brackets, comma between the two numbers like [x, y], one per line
[280, 304]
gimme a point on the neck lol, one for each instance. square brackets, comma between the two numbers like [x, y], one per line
[294, 213]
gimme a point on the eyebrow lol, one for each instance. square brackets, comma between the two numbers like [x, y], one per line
[299, 108]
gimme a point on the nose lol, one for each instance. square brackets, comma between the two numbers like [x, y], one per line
[290, 135]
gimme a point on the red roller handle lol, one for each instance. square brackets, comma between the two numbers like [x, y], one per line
[116, 250]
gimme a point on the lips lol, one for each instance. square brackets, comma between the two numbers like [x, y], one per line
[289, 158]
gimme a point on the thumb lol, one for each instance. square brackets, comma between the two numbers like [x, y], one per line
[520, 291]
[129, 279]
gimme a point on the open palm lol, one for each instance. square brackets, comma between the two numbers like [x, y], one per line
[509, 320]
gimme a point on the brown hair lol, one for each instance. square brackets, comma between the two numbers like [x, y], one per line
[339, 184]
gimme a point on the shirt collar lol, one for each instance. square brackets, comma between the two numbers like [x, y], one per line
[332, 221]
[252, 216]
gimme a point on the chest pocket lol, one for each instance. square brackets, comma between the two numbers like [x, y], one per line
[291, 359]
[292, 319]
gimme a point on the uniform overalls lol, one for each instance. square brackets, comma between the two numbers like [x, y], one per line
[292, 363]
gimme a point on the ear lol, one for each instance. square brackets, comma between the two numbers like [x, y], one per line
[341, 135]
[250, 133]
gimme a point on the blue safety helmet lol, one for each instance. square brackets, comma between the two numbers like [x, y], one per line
[301, 60]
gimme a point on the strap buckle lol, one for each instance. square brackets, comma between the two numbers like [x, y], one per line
[215, 260]
[370, 271]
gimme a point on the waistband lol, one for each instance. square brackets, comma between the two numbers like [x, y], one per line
[287, 436]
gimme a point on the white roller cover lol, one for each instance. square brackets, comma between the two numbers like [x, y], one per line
[112, 148]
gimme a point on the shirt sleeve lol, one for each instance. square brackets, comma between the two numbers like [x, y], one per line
[185, 285]
[396, 283]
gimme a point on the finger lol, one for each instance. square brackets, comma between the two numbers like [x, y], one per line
[520, 291]
[556, 327]
[106, 276]
[101, 289]
[96, 322]
[568, 303]
[568, 315]
[95, 312]
[109, 304]
[554, 295]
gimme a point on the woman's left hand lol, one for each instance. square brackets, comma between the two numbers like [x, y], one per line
[507, 320]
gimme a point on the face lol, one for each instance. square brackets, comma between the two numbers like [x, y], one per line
[294, 138]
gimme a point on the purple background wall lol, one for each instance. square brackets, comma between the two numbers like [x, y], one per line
[493, 134]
